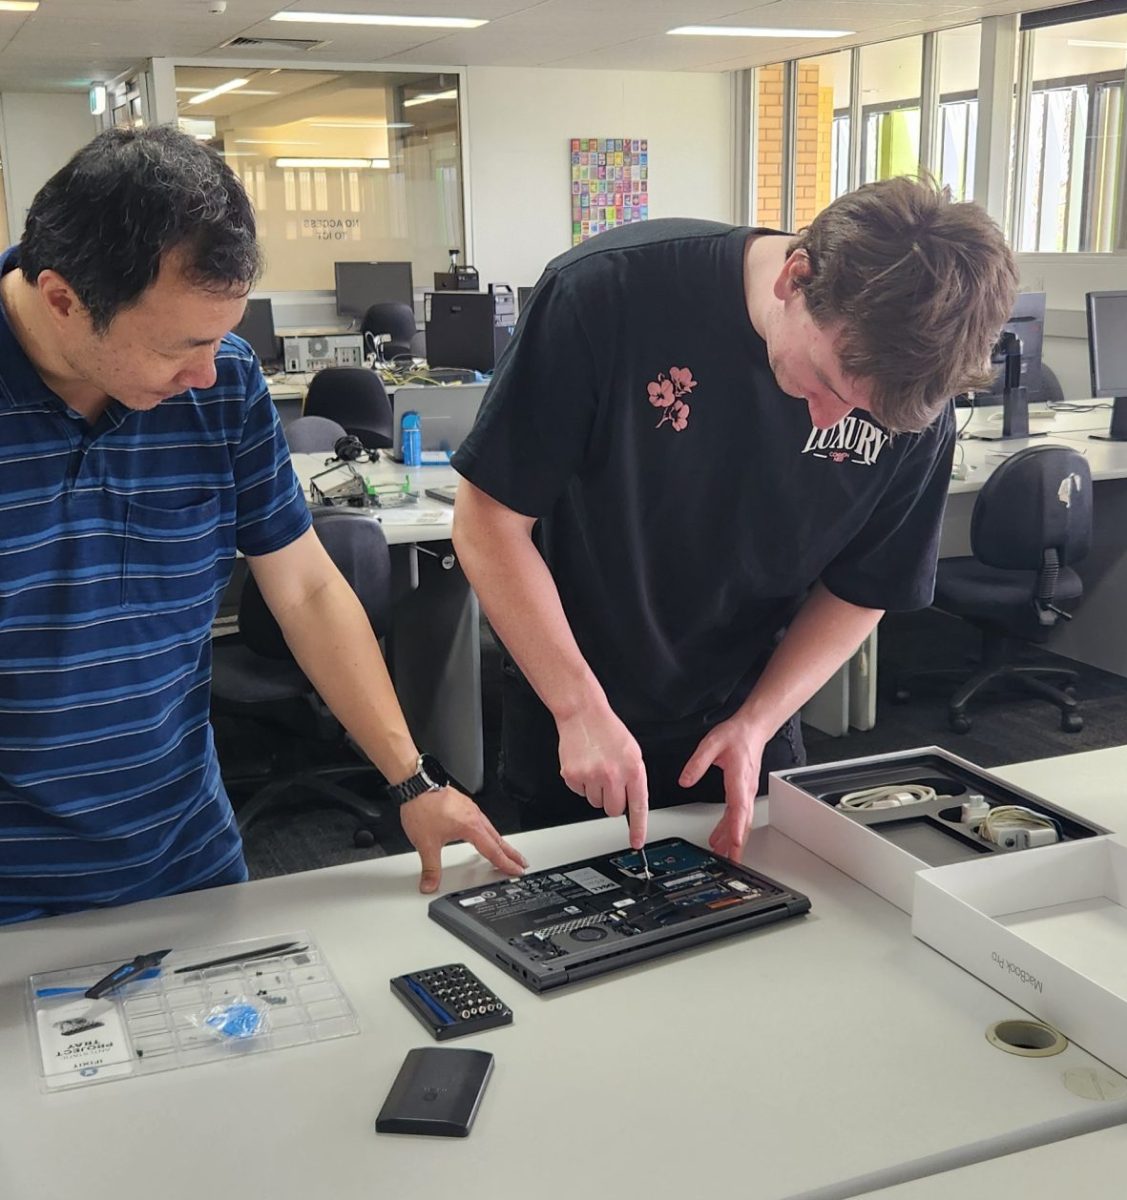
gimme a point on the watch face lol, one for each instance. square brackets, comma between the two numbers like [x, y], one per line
[434, 771]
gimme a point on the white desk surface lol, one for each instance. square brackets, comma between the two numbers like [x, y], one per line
[427, 521]
[1041, 419]
[286, 391]
[1095, 1165]
[815, 1058]
[1108, 460]
[1092, 784]
[1092, 1166]
[289, 385]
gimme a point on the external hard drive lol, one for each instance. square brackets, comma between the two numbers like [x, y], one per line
[436, 1092]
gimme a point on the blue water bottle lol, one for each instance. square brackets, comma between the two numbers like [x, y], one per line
[411, 439]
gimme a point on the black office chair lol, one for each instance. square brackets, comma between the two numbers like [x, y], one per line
[255, 675]
[1032, 520]
[355, 398]
[394, 319]
[1050, 392]
[312, 435]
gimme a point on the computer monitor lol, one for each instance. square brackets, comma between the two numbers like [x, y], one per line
[523, 294]
[1027, 321]
[362, 284]
[1107, 356]
[257, 329]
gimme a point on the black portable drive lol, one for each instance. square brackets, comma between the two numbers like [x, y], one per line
[437, 1092]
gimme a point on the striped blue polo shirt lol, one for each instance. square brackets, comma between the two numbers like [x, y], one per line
[116, 543]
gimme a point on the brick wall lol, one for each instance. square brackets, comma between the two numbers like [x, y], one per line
[813, 145]
[769, 148]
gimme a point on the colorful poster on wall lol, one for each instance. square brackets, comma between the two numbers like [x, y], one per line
[609, 184]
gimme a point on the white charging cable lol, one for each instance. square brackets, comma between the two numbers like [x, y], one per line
[888, 796]
[1014, 827]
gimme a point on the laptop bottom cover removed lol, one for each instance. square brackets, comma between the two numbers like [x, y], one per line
[555, 927]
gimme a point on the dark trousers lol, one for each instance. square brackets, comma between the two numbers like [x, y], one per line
[530, 762]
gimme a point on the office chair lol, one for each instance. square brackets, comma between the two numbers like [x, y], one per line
[397, 320]
[1050, 391]
[311, 435]
[256, 676]
[355, 398]
[1032, 520]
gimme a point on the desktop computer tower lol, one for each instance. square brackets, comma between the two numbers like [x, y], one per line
[469, 329]
[457, 279]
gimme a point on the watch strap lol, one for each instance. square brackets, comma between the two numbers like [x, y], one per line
[414, 785]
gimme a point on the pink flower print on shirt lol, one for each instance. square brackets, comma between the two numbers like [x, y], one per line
[667, 392]
[661, 392]
[683, 379]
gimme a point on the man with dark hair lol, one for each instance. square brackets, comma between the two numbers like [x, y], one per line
[675, 550]
[139, 450]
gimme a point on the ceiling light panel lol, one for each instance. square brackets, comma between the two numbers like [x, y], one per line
[221, 90]
[332, 18]
[756, 32]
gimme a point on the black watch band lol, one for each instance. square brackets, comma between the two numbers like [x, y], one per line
[430, 775]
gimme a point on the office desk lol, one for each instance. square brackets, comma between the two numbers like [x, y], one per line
[1092, 784]
[1042, 419]
[434, 649]
[814, 1058]
[1093, 1166]
[288, 394]
[849, 698]
[1098, 633]
[287, 387]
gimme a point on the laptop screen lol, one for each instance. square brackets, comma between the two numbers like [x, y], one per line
[446, 414]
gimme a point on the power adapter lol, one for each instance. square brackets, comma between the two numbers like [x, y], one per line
[1016, 837]
[1015, 827]
[975, 809]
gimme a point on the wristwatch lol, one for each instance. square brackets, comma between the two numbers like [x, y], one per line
[430, 775]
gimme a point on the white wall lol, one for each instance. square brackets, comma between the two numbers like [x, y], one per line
[521, 121]
[41, 131]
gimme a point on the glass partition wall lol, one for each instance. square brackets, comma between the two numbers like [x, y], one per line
[340, 165]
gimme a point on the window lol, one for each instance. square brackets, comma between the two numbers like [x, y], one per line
[339, 164]
[1070, 190]
[959, 52]
[769, 147]
[821, 167]
[890, 107]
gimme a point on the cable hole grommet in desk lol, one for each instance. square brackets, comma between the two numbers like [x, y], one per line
[1030, 1039]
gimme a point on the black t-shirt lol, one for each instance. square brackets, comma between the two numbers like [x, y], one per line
[685, 502]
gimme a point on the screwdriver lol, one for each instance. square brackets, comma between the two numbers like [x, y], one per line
[641, 851]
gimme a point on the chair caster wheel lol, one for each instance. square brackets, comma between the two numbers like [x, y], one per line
[901, 695]
[363, 839]
[959, 722]
[1071, 722]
